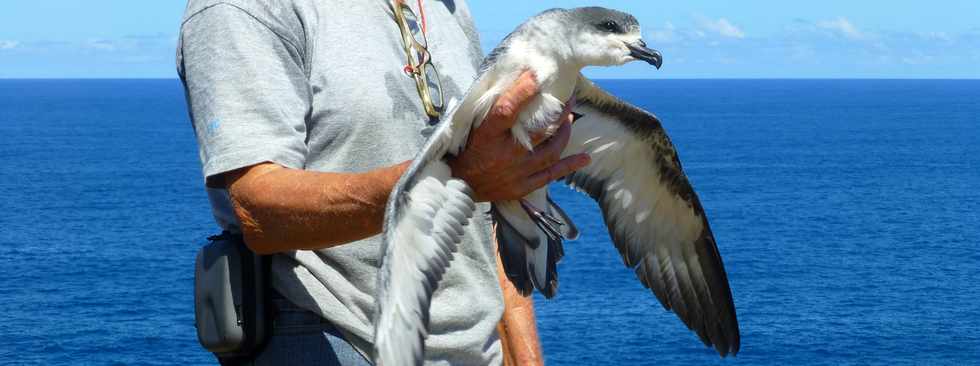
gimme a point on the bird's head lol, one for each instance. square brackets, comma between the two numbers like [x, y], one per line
[606, 37]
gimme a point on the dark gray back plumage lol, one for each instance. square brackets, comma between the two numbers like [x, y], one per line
[504, 45]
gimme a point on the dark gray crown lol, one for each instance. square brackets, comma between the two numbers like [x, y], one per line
[603, 19]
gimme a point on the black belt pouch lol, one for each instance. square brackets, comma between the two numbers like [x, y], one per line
[230, 298]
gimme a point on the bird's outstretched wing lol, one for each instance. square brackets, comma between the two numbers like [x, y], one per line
[423, 225]
[654, 217]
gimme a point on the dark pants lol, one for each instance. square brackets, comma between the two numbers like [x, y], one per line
[301, 337]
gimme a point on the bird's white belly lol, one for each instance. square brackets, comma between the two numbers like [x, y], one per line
[557, 84]
[540, 115]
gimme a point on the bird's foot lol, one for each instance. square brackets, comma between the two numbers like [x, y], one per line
[544, 220]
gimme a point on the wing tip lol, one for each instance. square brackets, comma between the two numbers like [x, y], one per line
[724, 337]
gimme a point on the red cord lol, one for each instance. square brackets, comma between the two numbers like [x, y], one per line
[409, 69]
[422, 15]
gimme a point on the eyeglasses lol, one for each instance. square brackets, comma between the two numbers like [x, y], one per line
[419, 66]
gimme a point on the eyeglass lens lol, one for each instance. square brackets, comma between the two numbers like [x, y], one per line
[435, 86]
[413, 25]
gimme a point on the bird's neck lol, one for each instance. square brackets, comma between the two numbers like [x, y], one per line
[547, 45]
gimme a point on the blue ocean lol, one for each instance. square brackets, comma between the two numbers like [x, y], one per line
[846, 212]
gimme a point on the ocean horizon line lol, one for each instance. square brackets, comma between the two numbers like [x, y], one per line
[596, 79]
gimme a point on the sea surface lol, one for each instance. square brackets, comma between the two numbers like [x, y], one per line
[846, 212]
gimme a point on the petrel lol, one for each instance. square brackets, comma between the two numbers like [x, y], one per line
[653, 215]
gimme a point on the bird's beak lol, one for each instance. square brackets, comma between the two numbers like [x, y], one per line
[640, 51]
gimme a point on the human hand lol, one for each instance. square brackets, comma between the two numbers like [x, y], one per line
[498, 168]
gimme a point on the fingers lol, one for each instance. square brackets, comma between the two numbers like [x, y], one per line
[508, 106]
[564, 167]
[549, 152]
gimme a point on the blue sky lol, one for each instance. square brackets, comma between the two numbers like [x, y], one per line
[699, 38]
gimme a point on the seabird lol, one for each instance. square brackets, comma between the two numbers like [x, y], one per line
[653, 215]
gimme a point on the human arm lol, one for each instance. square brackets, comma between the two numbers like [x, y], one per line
[288, 209]
[249, 98]
[518, 329]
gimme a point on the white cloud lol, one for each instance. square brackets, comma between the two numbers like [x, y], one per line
[917, 60]
[799, 51]
[706, 31]
[727, 60]
[8, 45]
[823, 46]
[938, 36]
[101, 45]
[722, 27]
[667, 34]
[843, 27]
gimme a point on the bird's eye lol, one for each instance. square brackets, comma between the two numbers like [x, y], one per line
[609, 26]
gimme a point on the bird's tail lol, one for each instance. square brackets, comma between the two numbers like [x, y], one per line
[530, 239]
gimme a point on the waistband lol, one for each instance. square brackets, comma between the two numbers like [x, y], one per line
[286, 313]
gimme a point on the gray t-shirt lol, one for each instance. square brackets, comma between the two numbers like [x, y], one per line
[318, 85]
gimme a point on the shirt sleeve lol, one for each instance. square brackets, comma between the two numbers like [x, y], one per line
[246, 89]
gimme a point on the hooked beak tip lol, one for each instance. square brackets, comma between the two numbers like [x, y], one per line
[640, 51]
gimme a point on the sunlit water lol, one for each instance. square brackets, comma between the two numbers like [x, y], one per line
[846, 212]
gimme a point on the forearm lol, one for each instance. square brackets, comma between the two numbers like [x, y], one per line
[287, 209]
[518, 327]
